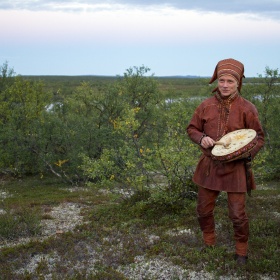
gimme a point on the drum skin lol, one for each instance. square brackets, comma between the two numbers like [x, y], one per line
[242, 141]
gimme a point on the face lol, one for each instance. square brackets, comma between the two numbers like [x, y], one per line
[227, 85]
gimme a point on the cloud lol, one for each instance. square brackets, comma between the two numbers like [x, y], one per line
[235, 6]
[268, 8]
[106, 37]
[167, 26]
[56, 5]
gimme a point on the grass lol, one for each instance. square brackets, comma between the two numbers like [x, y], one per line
[169, 87]
[117, 239]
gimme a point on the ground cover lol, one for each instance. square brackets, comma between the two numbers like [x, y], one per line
[49, 230]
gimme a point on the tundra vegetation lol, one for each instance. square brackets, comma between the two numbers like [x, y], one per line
[117, 148]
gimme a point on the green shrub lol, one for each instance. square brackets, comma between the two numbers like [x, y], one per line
[21, 222]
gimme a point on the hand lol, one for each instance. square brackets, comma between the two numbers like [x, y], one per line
[207, 142]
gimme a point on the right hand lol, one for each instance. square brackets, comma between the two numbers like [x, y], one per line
[207, 142]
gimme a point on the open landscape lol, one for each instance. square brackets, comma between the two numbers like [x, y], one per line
[96, 180]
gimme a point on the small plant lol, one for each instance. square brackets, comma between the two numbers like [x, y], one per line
[20, 222]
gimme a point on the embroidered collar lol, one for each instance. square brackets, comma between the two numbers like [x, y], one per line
[224, 112]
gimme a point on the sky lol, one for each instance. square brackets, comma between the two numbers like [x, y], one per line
[181, 37]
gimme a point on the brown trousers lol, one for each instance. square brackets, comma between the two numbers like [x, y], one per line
[236, 209]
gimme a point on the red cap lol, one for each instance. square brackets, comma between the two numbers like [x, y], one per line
[230, 67]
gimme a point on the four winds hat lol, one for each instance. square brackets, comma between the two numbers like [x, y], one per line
[230, 67]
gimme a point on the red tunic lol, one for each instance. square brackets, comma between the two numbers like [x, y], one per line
[216, 117]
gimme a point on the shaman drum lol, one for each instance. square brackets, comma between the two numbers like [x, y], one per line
[237, 143]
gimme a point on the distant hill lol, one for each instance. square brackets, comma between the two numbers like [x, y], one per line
[181, 76]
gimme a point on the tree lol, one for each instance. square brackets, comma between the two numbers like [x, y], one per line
[22, 105]
[6, 76]
[126, 113]
[150, 150]
[265, 94]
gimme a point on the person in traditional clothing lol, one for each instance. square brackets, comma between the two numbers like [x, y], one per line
[224, 112]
